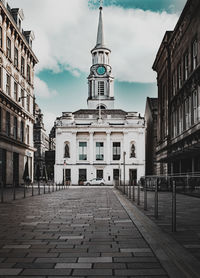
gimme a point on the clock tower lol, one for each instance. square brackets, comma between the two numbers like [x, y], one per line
[100, 80]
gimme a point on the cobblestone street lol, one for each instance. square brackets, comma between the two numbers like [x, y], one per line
[83, 232]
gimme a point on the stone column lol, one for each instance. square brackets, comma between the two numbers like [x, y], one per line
[91, 147]
[108, 148]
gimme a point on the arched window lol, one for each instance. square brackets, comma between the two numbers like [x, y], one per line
[66, 150]
[132, 151]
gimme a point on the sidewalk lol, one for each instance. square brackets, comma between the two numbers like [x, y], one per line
[81, 232]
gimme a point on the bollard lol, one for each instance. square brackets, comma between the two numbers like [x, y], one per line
[56, 187]
[32, 189]
[48, 187]
[129, 193]
[145, 195]
[53, 187]
[174, 207]
[138, 195]
[156, 200]
[44, 187]
[24, 190]
[14, 190]
[2, 197]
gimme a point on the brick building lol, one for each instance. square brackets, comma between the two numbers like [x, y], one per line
[17, 62]
[178, 73]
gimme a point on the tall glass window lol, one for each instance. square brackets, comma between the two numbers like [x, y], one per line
[194, 54]
[116, 150]
[16, 57]
[15, 91]
[195, 107]
[22, 131]
[8, 84]
[82, 150]
[186, 66]
[99, 151]
[15, 128]
[7, 123]
[8, 48]
[22, 66]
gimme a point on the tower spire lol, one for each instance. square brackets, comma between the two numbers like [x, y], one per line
[100, 34]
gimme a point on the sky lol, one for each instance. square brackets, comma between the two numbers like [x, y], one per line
[65, 32]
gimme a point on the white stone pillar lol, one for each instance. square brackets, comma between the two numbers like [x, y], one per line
[108, 148]
[73, 148]
[91, 147]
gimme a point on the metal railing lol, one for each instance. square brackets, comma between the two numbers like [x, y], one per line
[148, 190]
[25, 190]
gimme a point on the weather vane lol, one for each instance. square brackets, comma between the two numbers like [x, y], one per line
[101, 3]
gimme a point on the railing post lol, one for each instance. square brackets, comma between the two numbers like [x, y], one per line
[48, 187]
[156, 199]
[14, 190]
[44, 187]
[52, 186]
[174, 207]
[2, 195]
[145, 194]
[129, 194]
[32, 189]
[138, 195]
[38, 187]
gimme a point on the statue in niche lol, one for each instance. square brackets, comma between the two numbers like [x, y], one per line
[67, 151]
[132, 150]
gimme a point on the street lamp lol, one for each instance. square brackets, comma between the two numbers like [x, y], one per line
[124, 156]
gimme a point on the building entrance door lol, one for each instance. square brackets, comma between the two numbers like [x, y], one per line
[133, 176]
[99, 174]
[3, 166]
[16, 169]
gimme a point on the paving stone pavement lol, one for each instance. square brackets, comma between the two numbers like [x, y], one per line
[78, 232]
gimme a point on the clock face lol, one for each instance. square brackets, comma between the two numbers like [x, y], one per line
[101, 70]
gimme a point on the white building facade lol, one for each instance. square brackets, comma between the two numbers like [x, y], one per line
[100, 142]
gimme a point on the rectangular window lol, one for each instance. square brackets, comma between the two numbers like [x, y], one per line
[99, 151]
[28, 73]
[8, 48]
[179, 76]
[82, 175]
[101, 88]
[16, 91]
[195, 107]
[28, 102]
[1, 41]
[116, 150]
[22, 131]
[22, 66]
[173, 84]
[15, 128]
[22, 97]
[7, 123]
[194, 54]
[8, 84]
[180, 119]
[82, 150]
[186, 66]
[16, 58]
[28, 135]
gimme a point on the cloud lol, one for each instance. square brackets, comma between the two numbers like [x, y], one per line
[42, 90]
[66, 32]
